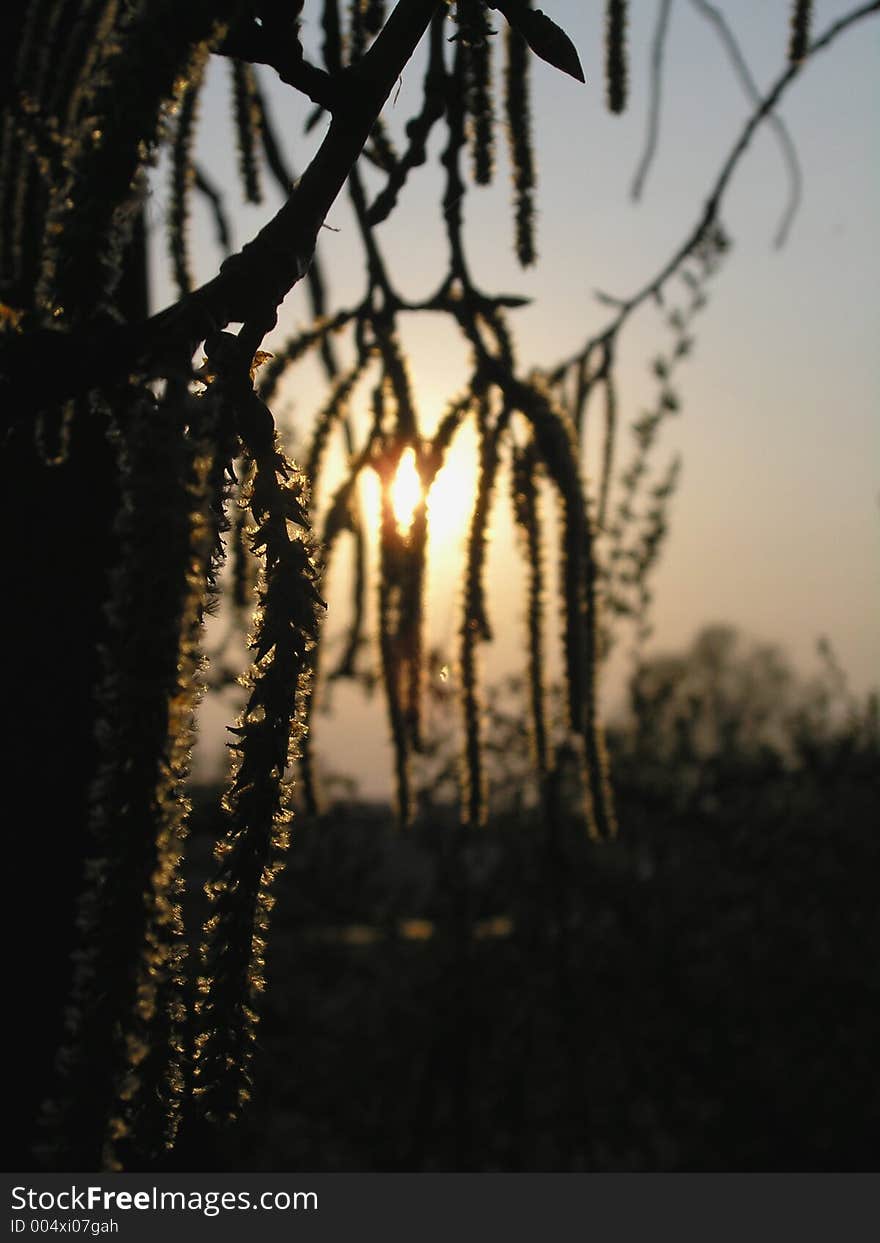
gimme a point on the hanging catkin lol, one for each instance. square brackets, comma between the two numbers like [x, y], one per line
[127, 989]
[476, 45]
[182, 181]
[475, 624]
[519, 136]
[616, 55]
[256, 804]
[247, 121]
[388, 622]
[799, 39]
[526, 510]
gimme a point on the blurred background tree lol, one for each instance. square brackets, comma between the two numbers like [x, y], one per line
[696, 995]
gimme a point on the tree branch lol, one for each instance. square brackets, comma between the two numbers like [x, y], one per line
[251, 284]
[249, 42]
[710, 211]
[714, 15]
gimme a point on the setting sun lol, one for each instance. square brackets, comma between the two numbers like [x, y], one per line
[448, 503]
[406, 490]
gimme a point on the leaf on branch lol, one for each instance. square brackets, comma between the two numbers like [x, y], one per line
[607, 299]
[544, 37]
[261, 356]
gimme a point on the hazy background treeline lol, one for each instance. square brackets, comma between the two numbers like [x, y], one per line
[700, 994]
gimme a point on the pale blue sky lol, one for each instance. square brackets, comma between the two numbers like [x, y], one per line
[775, 526]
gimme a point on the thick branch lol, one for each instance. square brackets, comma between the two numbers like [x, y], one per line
[250, 284]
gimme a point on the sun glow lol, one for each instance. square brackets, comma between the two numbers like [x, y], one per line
[451, 497]
[406, 491]
[448, 502]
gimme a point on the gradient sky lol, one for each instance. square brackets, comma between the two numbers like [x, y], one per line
[775, 526]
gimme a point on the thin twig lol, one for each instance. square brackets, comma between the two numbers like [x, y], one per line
[710, 211]
[657, 50]
[789, 152]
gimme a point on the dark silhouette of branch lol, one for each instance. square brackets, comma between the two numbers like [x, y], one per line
[252, 283]
[285, 179]
[418, 130]
[206, 187]
[709, 216]
[257, 45]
